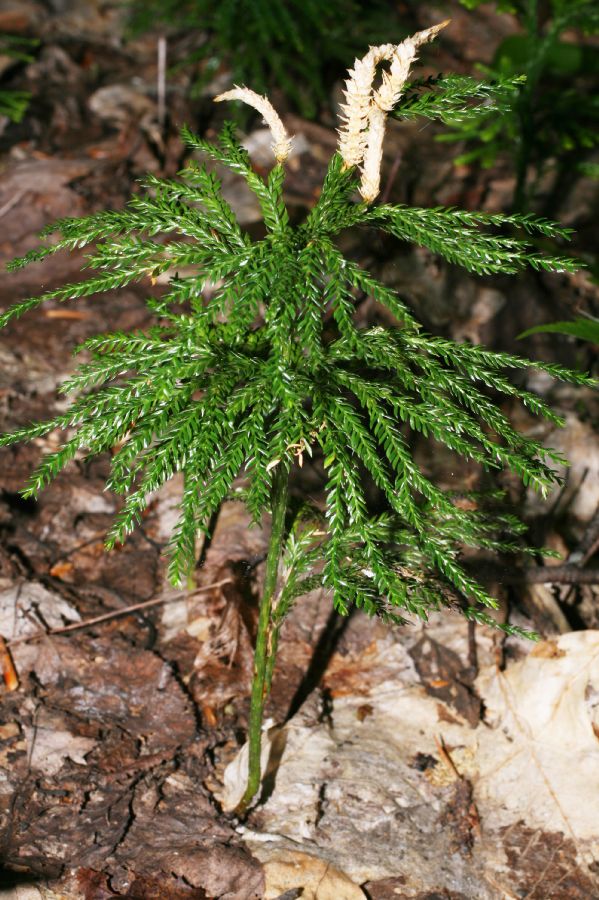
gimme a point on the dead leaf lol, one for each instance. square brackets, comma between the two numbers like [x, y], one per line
[541, 755]
[61, 570]
[49, 744]
[545, 865]
[350, 789]
[447, 678]
[317, 879]
[103, 681]
[547, 650]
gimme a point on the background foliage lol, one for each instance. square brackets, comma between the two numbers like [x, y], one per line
[13, 104]
[554, 121]
[288, 44]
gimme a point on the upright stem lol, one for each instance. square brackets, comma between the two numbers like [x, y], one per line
[263, 652]
[272, 658]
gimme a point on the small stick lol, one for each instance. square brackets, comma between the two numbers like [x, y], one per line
[391, 178]
[37, 635]
[584, 551]
[444, 754]
[472, 816]
[10, 203]
[472, 648]
[588, 545]
[161, 86]
[566, 574]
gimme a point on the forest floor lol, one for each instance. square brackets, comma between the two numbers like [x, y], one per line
[432, 761]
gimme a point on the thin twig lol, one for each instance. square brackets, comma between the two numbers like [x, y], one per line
[391, 178]
[161, 85]
[588, 545]
[565, 574]
[583, 552]
[37, 635]
[445, 756]
[12, 202]
[472, 649]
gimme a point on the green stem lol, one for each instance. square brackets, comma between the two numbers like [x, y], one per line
[264, 652]
[272, 658]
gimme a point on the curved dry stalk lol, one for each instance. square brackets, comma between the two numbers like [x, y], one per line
[404, 55]
[365, 111]
[281, 143]
[370, 183]
[355, 111]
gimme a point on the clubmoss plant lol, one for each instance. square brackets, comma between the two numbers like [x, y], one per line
[235, 389]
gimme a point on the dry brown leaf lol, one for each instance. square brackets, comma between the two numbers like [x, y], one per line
[61, 569]
[317, 879]
[347, 786]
